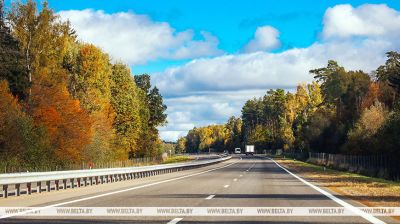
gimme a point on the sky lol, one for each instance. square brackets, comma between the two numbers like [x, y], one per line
[208, 57]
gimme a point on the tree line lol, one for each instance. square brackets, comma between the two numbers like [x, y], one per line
[341, 111]
[64, 101]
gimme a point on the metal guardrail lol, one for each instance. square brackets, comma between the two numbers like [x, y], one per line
[78, 178]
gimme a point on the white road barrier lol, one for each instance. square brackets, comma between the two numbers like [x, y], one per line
[57, 180]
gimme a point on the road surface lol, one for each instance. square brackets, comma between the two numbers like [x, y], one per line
[239, 182]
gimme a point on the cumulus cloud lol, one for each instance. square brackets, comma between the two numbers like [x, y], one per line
[212, 89]
[136, 39]
[366, 20]
[269, 70]
[265, 38]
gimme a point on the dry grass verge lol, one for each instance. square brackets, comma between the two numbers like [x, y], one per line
[176, 159]
[367, 190]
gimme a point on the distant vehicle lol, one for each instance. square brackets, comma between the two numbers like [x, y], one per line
[238, 151]
[249, 150]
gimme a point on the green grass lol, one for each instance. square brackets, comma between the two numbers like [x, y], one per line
[176, 159]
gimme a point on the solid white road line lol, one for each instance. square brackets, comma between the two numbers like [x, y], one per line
[116, 192]
[210, 197]
[355, 210]
[226, 186]
[175, 220]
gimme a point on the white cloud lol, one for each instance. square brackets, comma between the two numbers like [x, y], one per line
[136, 39]
[186, 112]
[269, 70]
[366, 20]
[265, 38]
[211, 89]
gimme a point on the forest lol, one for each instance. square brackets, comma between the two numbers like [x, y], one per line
[64, 101]
[347, 112]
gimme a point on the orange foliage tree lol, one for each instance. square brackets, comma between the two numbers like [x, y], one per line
[68, 125]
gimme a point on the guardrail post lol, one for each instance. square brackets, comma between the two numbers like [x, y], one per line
[65, 184]
[79, 182]
[48, 186]
[91, 180]
[72, 180]
[39, 187]
[17, 189]
[97, 180]
[57, 182]
[29, 186]
[5, 191]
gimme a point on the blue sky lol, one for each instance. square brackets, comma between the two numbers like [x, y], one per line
[209, 56]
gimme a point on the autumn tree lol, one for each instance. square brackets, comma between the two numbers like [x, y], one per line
[89, 81]
[22, 143]
[125, 100]
[361, 136]
[11, 60]
[67, 124]
[181, 145]
[43, 38]
[233, 129]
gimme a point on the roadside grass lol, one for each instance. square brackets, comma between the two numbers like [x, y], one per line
[369, 191]
[176, 159]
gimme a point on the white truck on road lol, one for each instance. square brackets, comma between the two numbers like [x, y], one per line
[249, 150]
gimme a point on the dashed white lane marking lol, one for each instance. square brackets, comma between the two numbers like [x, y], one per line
[175, 220]
[116, 192]
[355, 210]
[226, 186]
[235, 179]
[250, 167]
[241, 175]
[210, 197]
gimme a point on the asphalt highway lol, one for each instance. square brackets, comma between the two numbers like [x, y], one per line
[240, 182]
